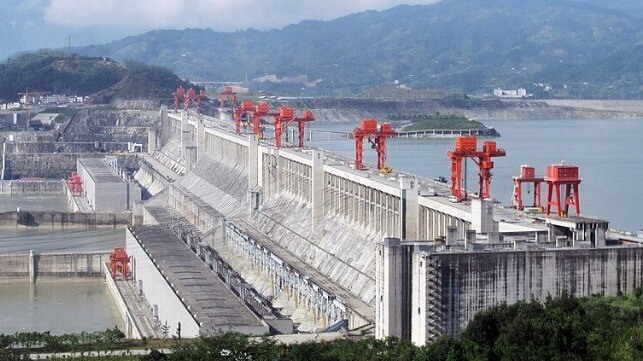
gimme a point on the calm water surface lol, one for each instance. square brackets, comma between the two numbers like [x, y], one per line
[31, 202]
[58, 307]
[608, 152]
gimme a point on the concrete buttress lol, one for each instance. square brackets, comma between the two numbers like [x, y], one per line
[318, 188]
[409, 207]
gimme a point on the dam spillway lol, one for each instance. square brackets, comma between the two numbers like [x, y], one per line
[309, 224]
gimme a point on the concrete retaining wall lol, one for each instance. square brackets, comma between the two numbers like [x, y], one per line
[158, 292]
[52, 265]
[46, 165]
[463, 284]
[10, 187]
[131, 330]
[64, 219]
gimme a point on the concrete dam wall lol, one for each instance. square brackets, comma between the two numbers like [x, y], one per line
[462, 284]
[315, 207]
[312, 222]
[221, 182]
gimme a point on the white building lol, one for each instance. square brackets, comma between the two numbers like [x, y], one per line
[105, 190]
[510, 93]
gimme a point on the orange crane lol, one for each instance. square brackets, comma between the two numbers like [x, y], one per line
[281, 120]
[286, 116]
[119, 264]
[192, 97]
[256, 113]
[467, 147]
[75, 184]
[229, 96]
[376, 134]
[179, 97]
[567, 176]
[262, 110]
[239, 114]
[187, 98]
[307, 116]
[527, 175]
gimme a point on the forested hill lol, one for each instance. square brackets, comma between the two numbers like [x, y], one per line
[101, 78]
[563, 48]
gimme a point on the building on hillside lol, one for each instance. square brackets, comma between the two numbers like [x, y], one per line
[510, 93]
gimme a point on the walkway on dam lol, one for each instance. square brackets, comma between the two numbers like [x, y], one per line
[354, 303]
[139, 311]
[208, 299]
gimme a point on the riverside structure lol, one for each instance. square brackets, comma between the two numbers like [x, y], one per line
[330, 246]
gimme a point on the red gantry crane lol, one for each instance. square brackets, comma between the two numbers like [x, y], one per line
[179, 97]
[567, 176]
[228, 96]
[119, 264]
[527, 175]
[188, 97]
[467, 147]
[75, 184]
[281, 120]
[261, 110]
[376, 134]
[238, 114]
[286, 116]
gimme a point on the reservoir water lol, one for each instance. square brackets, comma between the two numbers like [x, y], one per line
[609, 153]
[60, 306]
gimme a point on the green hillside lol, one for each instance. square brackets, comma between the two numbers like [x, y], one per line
[102, 79]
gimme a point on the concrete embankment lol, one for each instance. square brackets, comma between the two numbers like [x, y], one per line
[32, 187]
[32, 266]
[65, 219]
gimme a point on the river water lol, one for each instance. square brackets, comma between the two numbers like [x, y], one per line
[608, 151]
[60, 306]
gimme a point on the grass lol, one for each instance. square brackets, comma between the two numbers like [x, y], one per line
[425, 122]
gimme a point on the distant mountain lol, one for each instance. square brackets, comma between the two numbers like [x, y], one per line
[631, 7]
[102, 78]
[564, 48]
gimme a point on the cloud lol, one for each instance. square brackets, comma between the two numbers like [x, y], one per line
[220, 15]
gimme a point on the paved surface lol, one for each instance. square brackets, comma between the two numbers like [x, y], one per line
[212, 304]
[139, 311]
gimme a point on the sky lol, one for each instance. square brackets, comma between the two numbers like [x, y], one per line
[33, 24]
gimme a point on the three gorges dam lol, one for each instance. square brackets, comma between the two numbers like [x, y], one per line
[244, 233]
